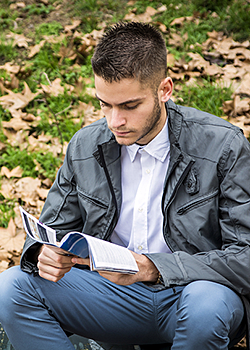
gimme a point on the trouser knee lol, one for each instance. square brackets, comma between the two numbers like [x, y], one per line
[11, 292]
[208, 308]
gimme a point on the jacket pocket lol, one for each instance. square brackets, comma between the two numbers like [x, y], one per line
[92, 200]
[197, 202]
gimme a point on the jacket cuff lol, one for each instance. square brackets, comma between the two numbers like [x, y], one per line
[156, 260]
[29, 260]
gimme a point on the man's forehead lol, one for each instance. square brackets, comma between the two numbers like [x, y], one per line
[132, 100]
[122, 92]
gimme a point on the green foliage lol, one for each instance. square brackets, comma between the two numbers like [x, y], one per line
[93, 12]
[45, 62]
[4, 115]
[49, 165]
[70, 76]
[6, 211]
[64, 127]
[5, 22]
[206, 96]
[6, 17]
[175, 9]
[233, 17]
[38, 9]
[54, 121]
[210, 5]
[238, 21]
[12, 157]
[7, 51]
[52, 28]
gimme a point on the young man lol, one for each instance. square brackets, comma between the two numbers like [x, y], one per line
[171, 183]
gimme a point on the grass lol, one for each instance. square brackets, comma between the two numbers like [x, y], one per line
[52, 28]
[204, 96]
[94, 12]
[13, 157]
[6, 210]
[38, 9]
[238, 20]
[232, 17]
[7, 51]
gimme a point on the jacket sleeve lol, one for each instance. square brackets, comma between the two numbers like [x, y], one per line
[61, 211]
[229, 265]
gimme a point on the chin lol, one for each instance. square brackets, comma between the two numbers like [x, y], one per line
[124, 142]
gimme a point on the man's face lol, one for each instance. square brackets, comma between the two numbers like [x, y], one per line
[133, 114]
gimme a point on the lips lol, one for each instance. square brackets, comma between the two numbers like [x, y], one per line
[120, 133]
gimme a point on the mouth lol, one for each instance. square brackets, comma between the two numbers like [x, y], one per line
[120, 133]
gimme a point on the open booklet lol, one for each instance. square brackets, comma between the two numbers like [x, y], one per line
[104, 256]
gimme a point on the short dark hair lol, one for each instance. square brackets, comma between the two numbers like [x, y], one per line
[131, 50]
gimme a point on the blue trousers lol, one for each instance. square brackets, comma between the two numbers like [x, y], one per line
[37, 314]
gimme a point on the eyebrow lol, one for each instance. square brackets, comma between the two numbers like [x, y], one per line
[122, 103]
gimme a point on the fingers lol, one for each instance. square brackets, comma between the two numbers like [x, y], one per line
[80, 261]
[119, 278]
[148, 272]
[53, 263]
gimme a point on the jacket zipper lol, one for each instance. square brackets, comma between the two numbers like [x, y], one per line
[103, 163]
[93, 201]
[173, 195]
[196, 203]
[179, 183]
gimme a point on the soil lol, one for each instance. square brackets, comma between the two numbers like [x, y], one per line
[62, 14]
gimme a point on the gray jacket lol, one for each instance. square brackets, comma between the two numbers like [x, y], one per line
[205, 203]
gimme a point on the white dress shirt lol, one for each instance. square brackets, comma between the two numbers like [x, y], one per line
[140, 225]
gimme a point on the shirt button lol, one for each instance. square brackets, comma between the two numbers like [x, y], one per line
[140, 210]
[148, 171]
[140, 247]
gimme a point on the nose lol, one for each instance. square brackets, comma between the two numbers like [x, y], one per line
[117, 118]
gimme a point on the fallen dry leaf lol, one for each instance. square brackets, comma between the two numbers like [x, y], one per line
[7, 188]
[42, 192]
[143, 17]
[241, 106]
[10, 240]
[181, 20]
[244, 88]
[16, 124]
[67, 52]
[72, 26]
[16, 172]
[35, 49]
[11, 68]
[16, 5]
[19, 40]
[25, 189]
[177, 40]
[15, 138]
[14, 101]
[56, 88]
[4, 265]
[223, 58]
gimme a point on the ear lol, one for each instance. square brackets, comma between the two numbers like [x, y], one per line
[166, 89]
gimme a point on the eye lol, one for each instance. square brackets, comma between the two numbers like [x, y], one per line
[104, 105]
[131, 106]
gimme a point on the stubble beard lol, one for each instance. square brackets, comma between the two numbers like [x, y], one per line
[153, 121]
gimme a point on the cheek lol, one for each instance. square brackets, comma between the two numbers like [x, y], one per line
[143, 115]
[107, 114]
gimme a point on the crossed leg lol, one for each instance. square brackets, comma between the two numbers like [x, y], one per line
[36, 313]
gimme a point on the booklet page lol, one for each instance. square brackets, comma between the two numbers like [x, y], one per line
[109, 256]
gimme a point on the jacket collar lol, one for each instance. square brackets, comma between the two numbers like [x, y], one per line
[174, 121]
[112, 149]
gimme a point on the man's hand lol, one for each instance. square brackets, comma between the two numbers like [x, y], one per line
[147, 271]
[54, 262]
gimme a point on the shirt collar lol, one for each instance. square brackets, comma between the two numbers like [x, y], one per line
[157, 148]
